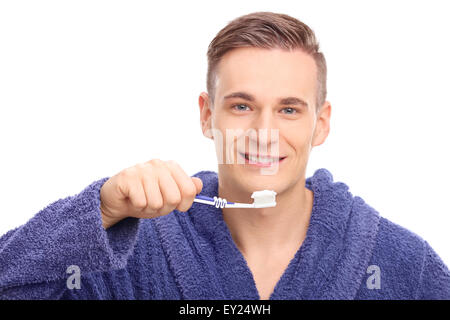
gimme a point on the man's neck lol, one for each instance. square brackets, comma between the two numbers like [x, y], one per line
[266, 230]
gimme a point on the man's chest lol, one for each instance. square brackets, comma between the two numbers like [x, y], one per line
[268, 270]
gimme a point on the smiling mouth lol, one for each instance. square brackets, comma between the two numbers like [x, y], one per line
[260, 159]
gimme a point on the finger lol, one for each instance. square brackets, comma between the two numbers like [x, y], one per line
[198, 184]
[153, 194]
[169, 191]
[187, 187]
[136, 194]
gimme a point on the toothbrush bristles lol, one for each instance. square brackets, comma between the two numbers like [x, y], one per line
[264, 197]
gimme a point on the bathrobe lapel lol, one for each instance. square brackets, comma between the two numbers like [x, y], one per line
[330, 264]
[333, 259]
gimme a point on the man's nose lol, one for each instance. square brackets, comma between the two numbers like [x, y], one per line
[266, 131]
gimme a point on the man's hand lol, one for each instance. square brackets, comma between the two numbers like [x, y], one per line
[147, 190]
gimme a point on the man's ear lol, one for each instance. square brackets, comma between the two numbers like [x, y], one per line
[205, 114]
[322, 125]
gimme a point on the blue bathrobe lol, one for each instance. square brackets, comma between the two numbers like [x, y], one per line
[350, 252]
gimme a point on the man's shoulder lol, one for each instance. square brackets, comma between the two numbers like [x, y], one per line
[396, 261]
[399, 253]
[399, 244]
[408, 266]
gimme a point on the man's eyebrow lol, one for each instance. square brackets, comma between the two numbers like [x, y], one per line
[240, 94]
[249, 97]
[293, 101]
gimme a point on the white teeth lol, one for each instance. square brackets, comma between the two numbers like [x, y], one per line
[262, 160]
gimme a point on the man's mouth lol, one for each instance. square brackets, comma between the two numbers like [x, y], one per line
[260, 159]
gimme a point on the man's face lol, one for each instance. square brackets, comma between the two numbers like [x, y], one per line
[264, 89]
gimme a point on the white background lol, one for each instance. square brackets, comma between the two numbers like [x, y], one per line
[88, 88]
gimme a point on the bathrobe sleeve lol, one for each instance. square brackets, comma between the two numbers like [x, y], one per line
[38, 258]
[435, 278]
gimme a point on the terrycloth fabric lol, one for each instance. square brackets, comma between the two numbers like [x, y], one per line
[349, 252]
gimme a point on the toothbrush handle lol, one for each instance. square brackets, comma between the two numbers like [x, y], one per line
[200, 197]
[216, 201]
[219, 202]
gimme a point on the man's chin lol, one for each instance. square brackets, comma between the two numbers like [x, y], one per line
[259, 173]
[260, 178]
[253, 183]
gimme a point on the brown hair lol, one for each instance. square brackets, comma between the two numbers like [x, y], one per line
[266, 30]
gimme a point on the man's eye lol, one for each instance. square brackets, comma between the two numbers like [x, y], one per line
[291, 110]
[242, 107]
[238, 107]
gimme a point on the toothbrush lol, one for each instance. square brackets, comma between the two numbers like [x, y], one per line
[261, 199]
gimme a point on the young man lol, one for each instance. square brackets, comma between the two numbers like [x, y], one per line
[139, 234]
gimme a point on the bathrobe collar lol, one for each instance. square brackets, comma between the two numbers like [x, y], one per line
[330, 264]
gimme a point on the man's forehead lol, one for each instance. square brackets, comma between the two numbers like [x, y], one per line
[270, 59]
[264, 71]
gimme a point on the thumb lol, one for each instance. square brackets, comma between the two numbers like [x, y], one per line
[198, 184]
